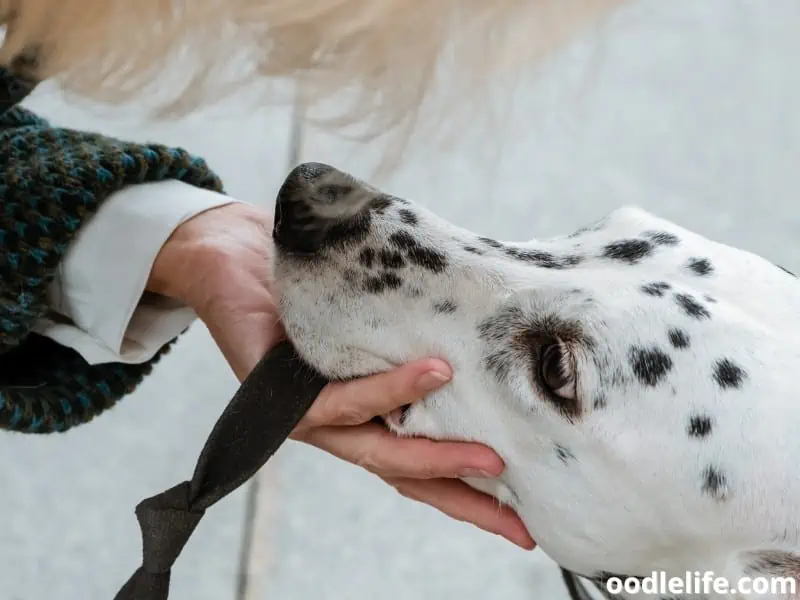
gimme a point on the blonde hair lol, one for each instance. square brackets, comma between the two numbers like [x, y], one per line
[389, 53]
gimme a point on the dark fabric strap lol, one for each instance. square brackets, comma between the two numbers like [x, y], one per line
[262, 414]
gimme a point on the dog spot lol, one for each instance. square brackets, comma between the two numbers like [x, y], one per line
[700, 266]
[403, 240]
[699, 426]
[650, 365]
[678, 338]
[447, 307]
[414, 292]
[662, 238]
[692, 307]
[380, 204]
[657, 288]
[629, 251]
[349, 275]
[715, 484]
[491, 243]
[710, 299]
[354, 230]
[563, 454]
[428, 258]
[367, 257]
[391, 260]
[474, 250]
[542, 259]
[377, 285]
[728, 374]
[600, 402]
[408, 217]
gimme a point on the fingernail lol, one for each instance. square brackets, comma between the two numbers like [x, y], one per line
[432, 380]
[475, 473]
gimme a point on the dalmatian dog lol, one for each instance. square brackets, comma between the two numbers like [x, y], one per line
[638, 379]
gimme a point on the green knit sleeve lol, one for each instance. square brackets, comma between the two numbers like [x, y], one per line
[52, 181]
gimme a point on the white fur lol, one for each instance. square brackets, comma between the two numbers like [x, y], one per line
[630, 501]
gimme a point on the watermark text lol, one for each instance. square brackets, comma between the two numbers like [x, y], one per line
[695, 582]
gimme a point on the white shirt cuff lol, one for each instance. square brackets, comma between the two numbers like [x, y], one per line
[98, 296]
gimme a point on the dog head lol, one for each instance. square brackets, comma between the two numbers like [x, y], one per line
[637, 378]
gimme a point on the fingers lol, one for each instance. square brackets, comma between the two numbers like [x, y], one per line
[379, 451]
[459, 501]
[359, 401]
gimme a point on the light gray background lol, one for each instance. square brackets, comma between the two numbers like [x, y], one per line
[685, 108]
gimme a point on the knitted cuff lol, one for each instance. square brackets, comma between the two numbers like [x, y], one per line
[52, 181]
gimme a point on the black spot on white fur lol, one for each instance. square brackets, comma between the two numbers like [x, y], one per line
[427, 258]
[564, 454]
[545, 260]
[600, 401]
[657, 288]
[408, 217]
[700, 266]
[629, 251]
[728, 374]
[662, 238]
[491, 243]
[391, 259]
[403, 240]
[379, 284]
[692, 307]
[380, 204]
[715, 484]
[699, 426]
[447, 307]
[474, 250]
[650, 365]
[367, 257]
[678, 338]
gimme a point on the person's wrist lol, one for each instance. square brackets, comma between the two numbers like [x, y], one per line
[201, 250]
[174, 270]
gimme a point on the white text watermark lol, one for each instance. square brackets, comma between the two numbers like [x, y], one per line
[701, 583]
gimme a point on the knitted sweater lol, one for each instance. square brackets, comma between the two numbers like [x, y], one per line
[52, 181]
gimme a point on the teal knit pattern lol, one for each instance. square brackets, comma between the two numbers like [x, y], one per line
[52, 181]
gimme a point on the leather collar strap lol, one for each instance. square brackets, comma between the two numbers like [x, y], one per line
[262, 414]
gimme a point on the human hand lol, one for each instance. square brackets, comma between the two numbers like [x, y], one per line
[217, 263]
[341, 422]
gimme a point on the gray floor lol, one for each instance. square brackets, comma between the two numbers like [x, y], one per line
[684, 108]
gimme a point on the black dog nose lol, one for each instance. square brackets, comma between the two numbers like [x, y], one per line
[314, 199]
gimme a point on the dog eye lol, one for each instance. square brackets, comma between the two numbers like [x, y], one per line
[555, 371]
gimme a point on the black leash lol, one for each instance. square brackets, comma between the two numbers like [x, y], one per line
[262, 414]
